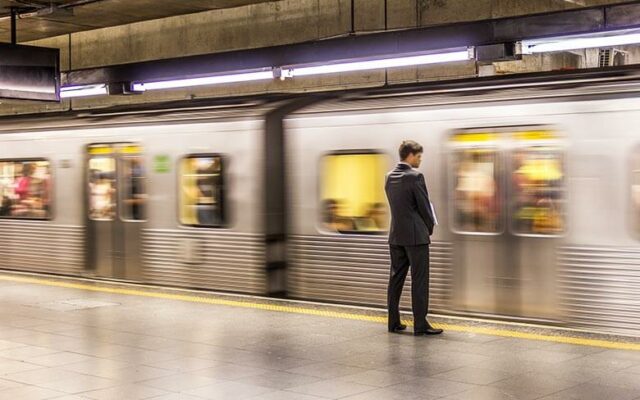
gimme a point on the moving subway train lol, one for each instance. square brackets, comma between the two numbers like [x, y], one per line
[535, 181]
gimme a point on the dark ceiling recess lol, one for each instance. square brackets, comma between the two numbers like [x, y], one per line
[39, 19]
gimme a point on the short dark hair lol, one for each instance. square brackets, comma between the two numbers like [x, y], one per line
[409, 147]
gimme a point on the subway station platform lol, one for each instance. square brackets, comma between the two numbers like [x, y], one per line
[72, 339]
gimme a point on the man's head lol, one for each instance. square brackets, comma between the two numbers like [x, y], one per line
[411, 153]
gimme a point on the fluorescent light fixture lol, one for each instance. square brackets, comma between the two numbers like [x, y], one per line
[461, 55]
[82, 91]
[207, 80]
[563, 43]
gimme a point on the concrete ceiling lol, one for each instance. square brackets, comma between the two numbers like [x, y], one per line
[47, 18]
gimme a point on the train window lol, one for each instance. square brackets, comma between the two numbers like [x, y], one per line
[202, 191]
[476, 188]
[538, 187]
[25, 187]
[133, 192]
[102, 188]
[352, 192]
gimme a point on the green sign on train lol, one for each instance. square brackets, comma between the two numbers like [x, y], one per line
[161, 164]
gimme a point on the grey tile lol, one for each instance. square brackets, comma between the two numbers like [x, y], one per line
[271, 361]
[144, 356]
[280, 380]
[29, 393]
[474, 375]
[11, 366]
[42, 375]
[229, 390]
[129, 392]
[282, 395]
[326, 370]
[546, 356]
[59, 359]
[134, 373]
[560, 371]
[79, 384]
[602, 361]
[574, 348]
[229, 371]
[377, 378]
[620, 379]
[5, 384]
[542, 383]
[391, 394]
[420, 367]
[432, 386]
[180, 382]
[493, 393]
[6, 344]
[332, 388]
[177, 396]
[100, 367]
[590, 391]
[183, 364]
[26, 353]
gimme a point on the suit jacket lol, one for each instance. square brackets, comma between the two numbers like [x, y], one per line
[412, 221]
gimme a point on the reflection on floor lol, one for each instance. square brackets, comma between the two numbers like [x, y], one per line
[69, 343]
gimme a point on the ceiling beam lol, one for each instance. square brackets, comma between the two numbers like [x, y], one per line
[381, 44]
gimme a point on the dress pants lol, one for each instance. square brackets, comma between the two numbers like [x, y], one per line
[401, 258]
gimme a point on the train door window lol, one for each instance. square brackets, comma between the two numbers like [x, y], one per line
[352, 192]
[25, 188]
[202, 191]
[477, 190]
[102, 185]
[538, 189]
[133, 194]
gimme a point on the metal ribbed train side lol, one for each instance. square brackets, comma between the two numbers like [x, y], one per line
[599, 287]
[205, 259]
[37, 246]
[356, 270]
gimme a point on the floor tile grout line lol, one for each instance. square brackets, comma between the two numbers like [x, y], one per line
[324, 313]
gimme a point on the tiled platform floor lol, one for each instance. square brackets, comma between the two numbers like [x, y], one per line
[71, 344]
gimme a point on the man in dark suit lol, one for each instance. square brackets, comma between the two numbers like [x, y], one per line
[412, 222]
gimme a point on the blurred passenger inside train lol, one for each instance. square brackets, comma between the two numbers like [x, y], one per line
[538, 186]
[375, 219]
[476, 192]
[24, 182]
[25, 189]
[332, 219]
[102, 196]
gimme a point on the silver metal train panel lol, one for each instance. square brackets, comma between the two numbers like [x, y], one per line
[599, 287]
[356, 270]
[206, 259]
[35, 246]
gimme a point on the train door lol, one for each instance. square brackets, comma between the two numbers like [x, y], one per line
[508, 193]
[116, 207]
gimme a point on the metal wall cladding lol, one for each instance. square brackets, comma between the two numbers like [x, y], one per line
[39, 246]
[356, 270]
[599, 287]
[206, 259]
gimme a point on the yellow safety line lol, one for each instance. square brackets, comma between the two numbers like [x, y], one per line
[326, 313]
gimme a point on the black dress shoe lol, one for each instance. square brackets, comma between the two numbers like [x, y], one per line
[430, 331]
[398, 328]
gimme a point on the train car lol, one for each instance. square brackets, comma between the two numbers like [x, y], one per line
[535, 183]
[168, 197]
[535, 189]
